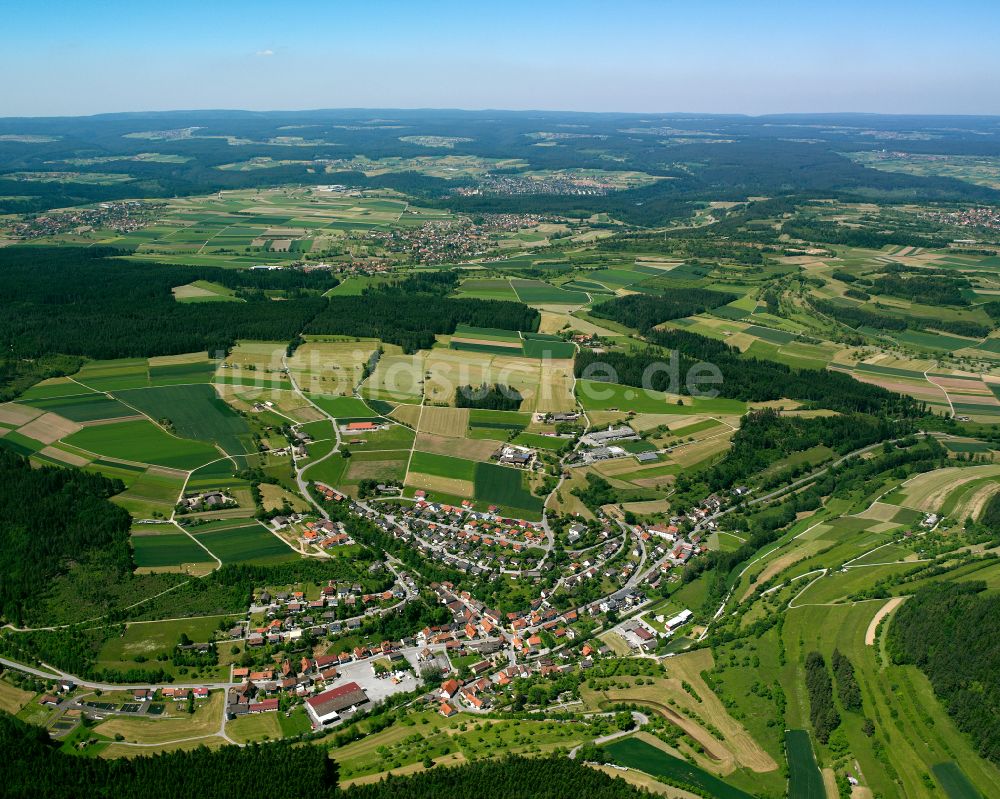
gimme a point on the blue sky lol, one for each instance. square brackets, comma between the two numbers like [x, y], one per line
[753, 56]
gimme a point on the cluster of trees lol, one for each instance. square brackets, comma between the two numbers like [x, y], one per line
[52, 516]
[822, 709]
[17, 375]
[412, 311]
[847, 684]
[831, 233]
[645, 311]
[949, 630]
[990, 516]
[684, 244]
[766, 436]
[597, 493]
[854, 316]
[747, 379]
[926, 289]
[497, 397]
[76, 301]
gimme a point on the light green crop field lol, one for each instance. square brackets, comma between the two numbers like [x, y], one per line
[443, 466]
[538, 292]
[247, 544]
[610, 396]
[142, 441]
[81, 407]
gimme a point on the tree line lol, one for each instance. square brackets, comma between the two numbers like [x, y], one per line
[645, 311]
[854, 316]
[747, 379]
[949, 631]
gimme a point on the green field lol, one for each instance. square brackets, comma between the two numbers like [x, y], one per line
[504, 486]
[343, 407]
[195, 412]
[538, 292]
[82, 407]
[804, 778]
[443, 466]
[486, 289]
[247, 544]
[640, 755]
[181, 373]
[954, 781]
[603, 396]
[536, 441]
[143, 442]
[166, 549]
[116, 375]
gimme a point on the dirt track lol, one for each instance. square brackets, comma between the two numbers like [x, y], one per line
[884, 611]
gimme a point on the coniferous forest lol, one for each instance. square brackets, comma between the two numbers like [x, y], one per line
[51, 516]
[412, 311]
[950, 630]
[32, 767]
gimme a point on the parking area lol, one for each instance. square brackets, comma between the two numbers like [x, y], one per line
[378, 688]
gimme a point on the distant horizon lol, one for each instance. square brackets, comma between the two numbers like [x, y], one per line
[912, 57]
[497, 110]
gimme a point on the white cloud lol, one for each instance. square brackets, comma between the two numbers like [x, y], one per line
[265, 53]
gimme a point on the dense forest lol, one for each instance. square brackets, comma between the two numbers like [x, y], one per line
[950, 631]
[493, 398]
[51, 516]
[33, 767]
[766, 436]
[926, 289]
[552, 777]
[830, 233]
[644, 311]
[76, 301]
[747, 379]
[411, 312]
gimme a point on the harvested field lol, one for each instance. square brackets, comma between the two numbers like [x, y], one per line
[448, 485]
[66, 457]
[13, 414]
[880, 511]
[929, 491]
[444, 421]
[476, 449]
[775, 567]
[49, 427]
[747, 751]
